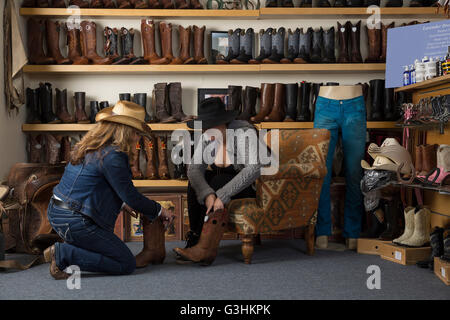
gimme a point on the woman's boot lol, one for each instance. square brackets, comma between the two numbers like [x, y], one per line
[150, 155]
[421, 234]
[148, 30]
[437, 248]
[279, 104]
[205, 251]
[293, 46]
[267, 99]
[134, 161]
[34, 148]
[124, 4]
[233, 47]
[181, 4]
[139, 4]
[73, 42]
[88, 41]
[195, 4]
[127, 37]
[79, 3]
[391, 214]
[409, 226]
[53, 148]
[265, 43]
[163, 169]
[154, 250]
[199, 45]
[246, 40]
[29, 4]
[185, 46]
[97, 4]
[304, 48]
[248, 107]
[377, 98]
[61, 107]
[109, 4]
[291, 101]
[80, 108]
[111, 46]
[36, 32]
[277, 47]
[167, 4]
[234, 98]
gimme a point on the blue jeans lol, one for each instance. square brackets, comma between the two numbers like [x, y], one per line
[349, 116]
[87, 245]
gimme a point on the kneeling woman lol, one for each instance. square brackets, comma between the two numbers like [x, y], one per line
[212, 186]
[95, 186]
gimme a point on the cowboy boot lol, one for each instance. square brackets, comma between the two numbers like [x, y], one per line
[165, 31]
[305, 4]
[354, 3]
[80, 104]
[111, 46]
[377, 98]
[304, 48]
[205, 251]
[394, 3]
[340, 3]
[233, 47]
[421, 234]
[134, 161]
[388, 104]
[179, 172]
[154, 4]
[33, 108]
[154, 250]
[66, 145]
[42, 3]
[287, 3]
[54, 51]
[277, 47]
[368, 3]
[36, 31]
[384, 40]
[317, 46]
[161, 102]
[249, 104]
[79, 3]
[279, 104]
[234, 98]
[124, 4]
[271, 3]
[293, 46]
[265, 43]
[73, 42]
[163, 169]
[139, 4]
[315, 89]
[34, 148]
[53, 148]
[104, 104]
[127, 37]
[148, 42]
[409, 225]
[125, 96]
[418, 159]
[58, 4]
[304, 113]
[377, 224]
[328, 45]
[246, 41]
[46, 103]
[185, 40]
[61, 107]
[291, 101]
[95, 108]
[343, 35]
[176, 108]
[109, 4]
[199, 45]
[355, 43]
[55, 272]
[97, 4]
[29, 4]
[141, 99]
[167, 4]
[374, 38]
[181, 4]
[267, 99]
[150, 155]
[88, 40]
[429, 158]
[324, 4]
[195, 4]
[391, 215]
[437, 248]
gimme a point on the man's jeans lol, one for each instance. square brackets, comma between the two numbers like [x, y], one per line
[349, 116]
[88, 246]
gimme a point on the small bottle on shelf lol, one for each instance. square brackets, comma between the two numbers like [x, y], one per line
[406, 76]
[412, 74]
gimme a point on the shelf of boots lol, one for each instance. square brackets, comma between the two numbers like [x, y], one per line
[425, 84]
[160, 183]
[205, 68]
[76, 127]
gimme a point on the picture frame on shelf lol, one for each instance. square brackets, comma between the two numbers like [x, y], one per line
[219, 45]
[203, 94]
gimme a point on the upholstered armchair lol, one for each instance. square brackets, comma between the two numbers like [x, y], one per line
[289, 198]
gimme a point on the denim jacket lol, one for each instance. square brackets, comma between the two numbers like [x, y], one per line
[97, 188]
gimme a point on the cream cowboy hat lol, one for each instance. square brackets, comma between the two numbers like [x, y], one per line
[380, 163]
[125, 112]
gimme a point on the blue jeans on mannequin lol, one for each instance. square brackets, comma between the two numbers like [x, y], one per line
[350, 116]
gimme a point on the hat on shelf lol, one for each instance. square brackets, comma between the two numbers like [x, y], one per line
[212, 113]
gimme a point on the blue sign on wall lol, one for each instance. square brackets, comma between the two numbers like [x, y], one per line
[406, 44]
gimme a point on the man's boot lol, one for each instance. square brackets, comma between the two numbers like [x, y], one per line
[249, 104]
[148, 43]
[80, 105]
[46, 103]
[73, 42]
[304, 48]
[277, 46]
[291, 101]
[150, 155]
[437, 248]
[389, 105]
[377, 98]
[304, 114]
[34, 148]
[374, 38]
[317, 46]
[234, 98]
[53, 148]
[391, 215]
[97, 4]
[139, 4]
[95, 108]
[36, 31]
[199, 45]
[124, 4]
[79, 3]
[127, 37]
[111, 46]
[88, 41]
[421, 234]
[343, 31]
[233, 47]
[181, 4]
[279, 104]
[246, 40]
[265, 45]
[267, 99]
[315, 89]
[195, 4]
[394, 3]
[205, 251]
[141, 99]
[154, 250]
[163, 169]
[384, 30]
[135, 161]
[355, 43]
[175, 102]
[161, 103]
[293, 45]
[185, 45]
[53, 49]
[167, 4]
[409, 226]
[165, 34]
[328, 46]
[61, 107]
[33, 107]
[305, 4]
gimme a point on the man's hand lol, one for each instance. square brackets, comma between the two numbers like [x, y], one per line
[167, 217]
[218, 204]
[209, 202]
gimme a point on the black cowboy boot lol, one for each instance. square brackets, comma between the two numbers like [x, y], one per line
[324, 4]
[249, 103]
[125, 96]
[437, 248]
[271, 3]
[315, 88]
[391, 215]
[394, 3]
[127, 39]
[305, 4]
[377, 98]
[340, 3]
[234, 98]
[328, 45]
[233, 47]
[95, 108]
[377, 224]
[343, 31]
[104, 104]
[293, 45]
[304, 113]
[355, 3]
[368, 3]
[265, 43]
[179, 172]
[317, 46]
[141, 99]
[111, 46]
[246, 41]
[46, 103]
[33, 107]
[291, 101]
[304, 48]
[277, 46]
[389, 108]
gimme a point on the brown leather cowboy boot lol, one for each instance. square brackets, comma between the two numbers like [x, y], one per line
[42, 3]
[181, 4]
[36, 31]
[134, 161]
[205, 251]
[278, 112]
[429, 158]
[124, 4]
[343, 36]
[176, 108]
[384, 40]
[150, 154]
[185, 41]
[66, 149]
[267, 100]
[163, 168]
[418, 162]
[355, 41]
[148, 42]
[73, 42]
[34, 148]
[80, 111]
[374, 38]
[154, 4]
[139, 4]
[97, 4]
[154, 250]
[79, 3]
[199, 45]
[167, 4]
[58, 4]
[161, 103]
[55, 272]
[195, 4]
[165, 34]
[53, 29]
[88, 42]
[109, 4]
[53, 148]
[61, 107]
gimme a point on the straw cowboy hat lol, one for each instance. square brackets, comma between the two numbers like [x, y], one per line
[125, 112]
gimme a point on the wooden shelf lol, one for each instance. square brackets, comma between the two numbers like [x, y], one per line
[75, 127]
[426, 84]
[323, 67]
[160, 183]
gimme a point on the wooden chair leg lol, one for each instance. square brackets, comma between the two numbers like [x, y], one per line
[309, 238]
[247, 248]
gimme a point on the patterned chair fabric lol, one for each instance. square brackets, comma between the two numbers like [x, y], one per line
[289, 198]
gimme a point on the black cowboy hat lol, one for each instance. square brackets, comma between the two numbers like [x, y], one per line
[212, 113]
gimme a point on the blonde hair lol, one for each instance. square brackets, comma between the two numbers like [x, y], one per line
[102, 135]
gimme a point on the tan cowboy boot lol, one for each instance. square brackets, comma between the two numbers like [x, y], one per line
[154, 250]
[88, 40]
[55, 272]
[149, 45]
[134, 161]
[163, 168]
[150, 154]
[205, 251]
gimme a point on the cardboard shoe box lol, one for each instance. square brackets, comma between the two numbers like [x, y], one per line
[404, 255]
[442, 270]
[370, 246]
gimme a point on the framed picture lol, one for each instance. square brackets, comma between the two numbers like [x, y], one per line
[219, 44]
[210, 93]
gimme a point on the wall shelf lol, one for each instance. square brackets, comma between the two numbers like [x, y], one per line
[425, 84]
